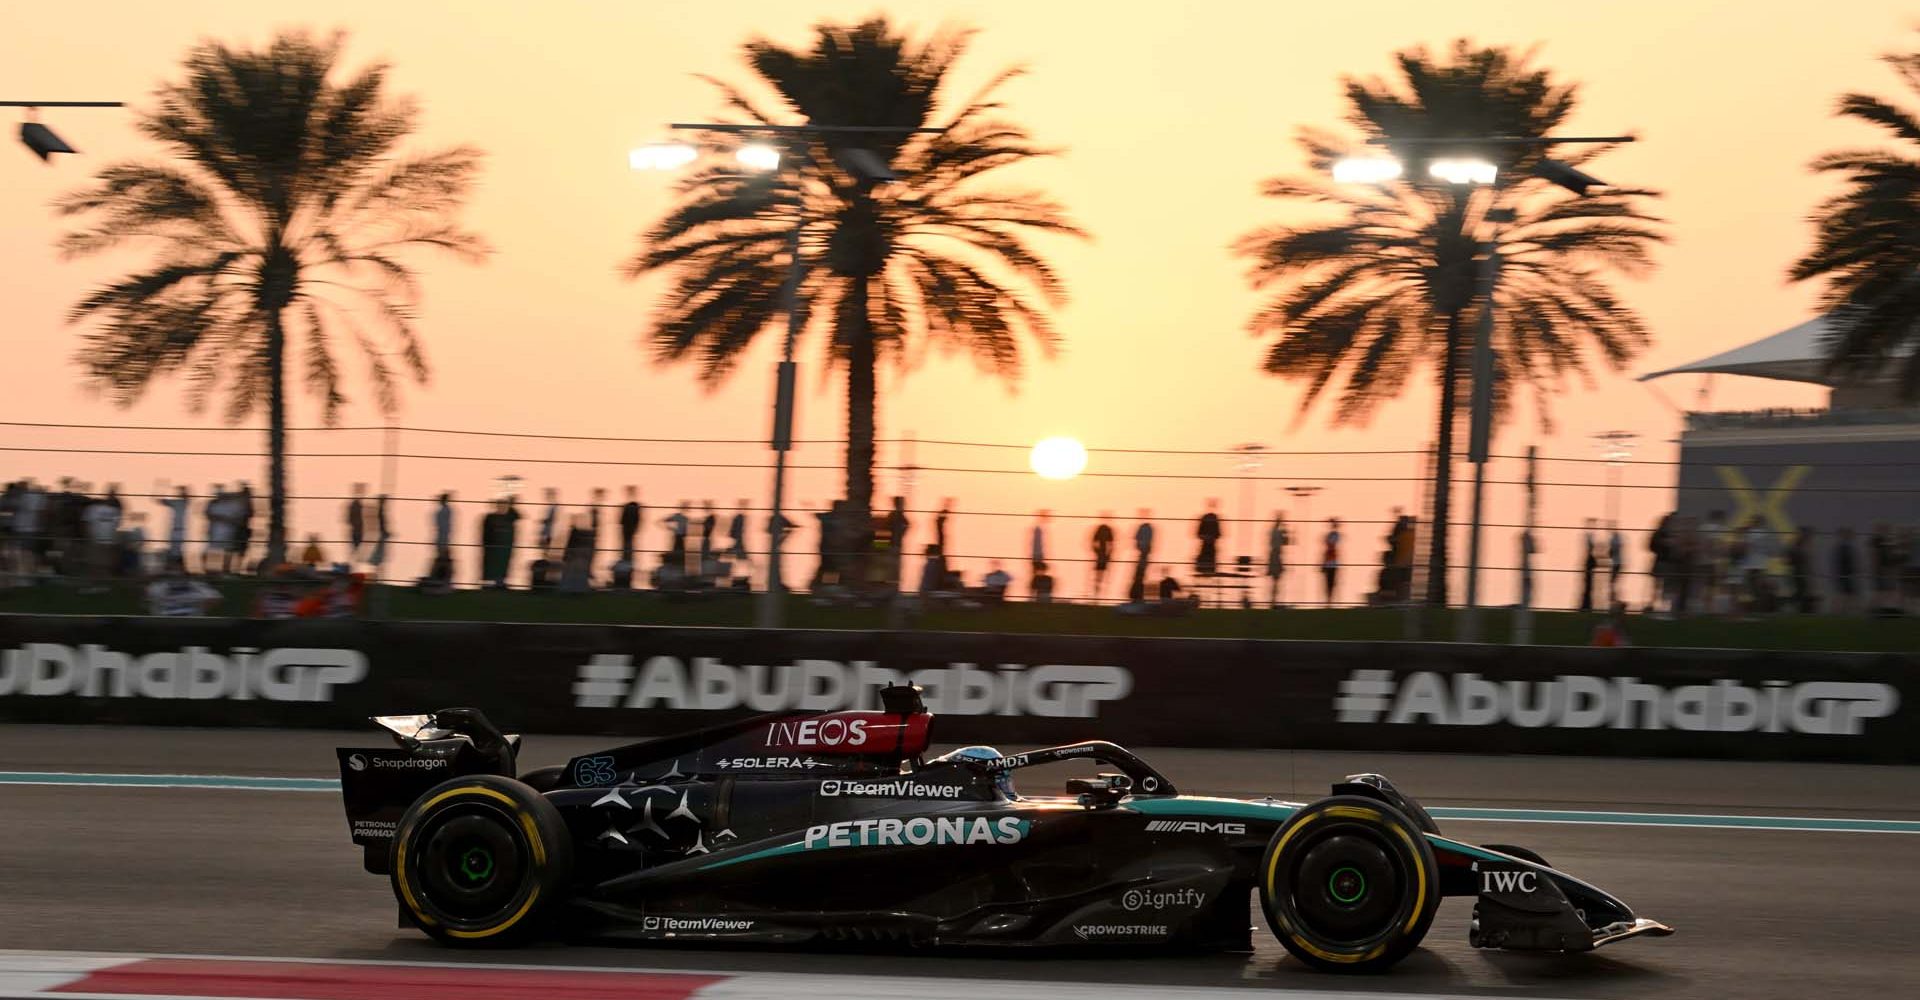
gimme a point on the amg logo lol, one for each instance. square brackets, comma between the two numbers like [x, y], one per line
[1510, 881]
[704, 683]
[1194, 826]
[243, 673]
[676, 924]
[899, 789]
[1821, 708]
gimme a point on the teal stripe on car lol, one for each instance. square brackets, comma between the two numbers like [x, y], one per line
[233, 781]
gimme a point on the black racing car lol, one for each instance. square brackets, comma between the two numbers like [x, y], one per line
[792, 828]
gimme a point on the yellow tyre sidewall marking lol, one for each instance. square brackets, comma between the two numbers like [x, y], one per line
[1355, 813]
[533, 841]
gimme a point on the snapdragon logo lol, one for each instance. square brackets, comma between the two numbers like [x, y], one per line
[1571, 701]
[917, 832]
[409, 763]
[704, 683]
[243, 673]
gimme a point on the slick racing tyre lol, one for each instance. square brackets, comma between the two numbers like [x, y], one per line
[1349, 884]
[479, 859]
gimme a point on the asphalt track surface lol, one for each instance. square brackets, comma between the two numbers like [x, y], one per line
[1760, 913]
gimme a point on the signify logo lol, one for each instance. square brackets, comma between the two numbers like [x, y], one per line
[195, 672]
[1572, 701]
[1134, 900]
[704, 683]
[917, 832]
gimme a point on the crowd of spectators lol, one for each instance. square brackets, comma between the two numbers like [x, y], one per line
[1751, 567]
[92, 538]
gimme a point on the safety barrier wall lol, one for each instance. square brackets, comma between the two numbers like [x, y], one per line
[1011, 689]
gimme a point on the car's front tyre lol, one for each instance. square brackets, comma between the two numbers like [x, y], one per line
[479, 860]
[1349, 884]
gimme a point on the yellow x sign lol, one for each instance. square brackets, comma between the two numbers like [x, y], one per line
[1771, 506]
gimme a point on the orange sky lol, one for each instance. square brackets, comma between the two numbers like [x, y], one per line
[1169, 122]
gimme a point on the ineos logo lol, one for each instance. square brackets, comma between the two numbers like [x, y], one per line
[831, 731]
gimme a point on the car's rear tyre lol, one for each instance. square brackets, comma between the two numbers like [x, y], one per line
[479, 860]
[1349, 884]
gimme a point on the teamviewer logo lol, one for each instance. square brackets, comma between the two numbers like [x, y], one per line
[1365, 696]
[603, 681]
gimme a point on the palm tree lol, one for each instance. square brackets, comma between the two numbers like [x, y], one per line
[1367, 301]
[284, 218]
[929, 259]
[1867, 243]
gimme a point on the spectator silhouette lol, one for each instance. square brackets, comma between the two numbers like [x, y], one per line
[1207, 561]
[1143, 547]
[356, 516]
[1102, 553]
[630, 518]
[1277, 540]
[1589, 563]
[1330, 558]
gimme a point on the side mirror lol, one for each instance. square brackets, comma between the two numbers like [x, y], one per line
[1102, 791]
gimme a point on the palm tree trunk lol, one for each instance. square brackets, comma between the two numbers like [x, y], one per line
[276, 439]
[861, 397]
[1443, 464]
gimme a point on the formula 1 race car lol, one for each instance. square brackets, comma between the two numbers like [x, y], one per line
[799, 827]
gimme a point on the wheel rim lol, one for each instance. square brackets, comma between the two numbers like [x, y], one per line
[1347, 886]
[471, 862]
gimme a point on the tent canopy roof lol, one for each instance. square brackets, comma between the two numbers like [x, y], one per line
[1796, 354]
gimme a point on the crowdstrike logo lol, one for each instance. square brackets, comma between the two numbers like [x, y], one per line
[704, 683]
[1573, 701]
[243, 673]
[1093, 932]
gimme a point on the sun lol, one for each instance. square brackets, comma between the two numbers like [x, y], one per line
[1058, 458]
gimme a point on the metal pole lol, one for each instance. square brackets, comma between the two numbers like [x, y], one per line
[773, 599]
[1480, 432]
[1523, 619]
[389, 483]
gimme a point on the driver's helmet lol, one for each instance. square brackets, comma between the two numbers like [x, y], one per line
[1002, 777]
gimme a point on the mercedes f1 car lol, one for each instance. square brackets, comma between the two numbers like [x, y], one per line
[791, 828]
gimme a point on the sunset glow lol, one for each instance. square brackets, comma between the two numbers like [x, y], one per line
[1058, 458]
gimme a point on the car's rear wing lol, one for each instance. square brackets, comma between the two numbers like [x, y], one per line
[377, 784]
